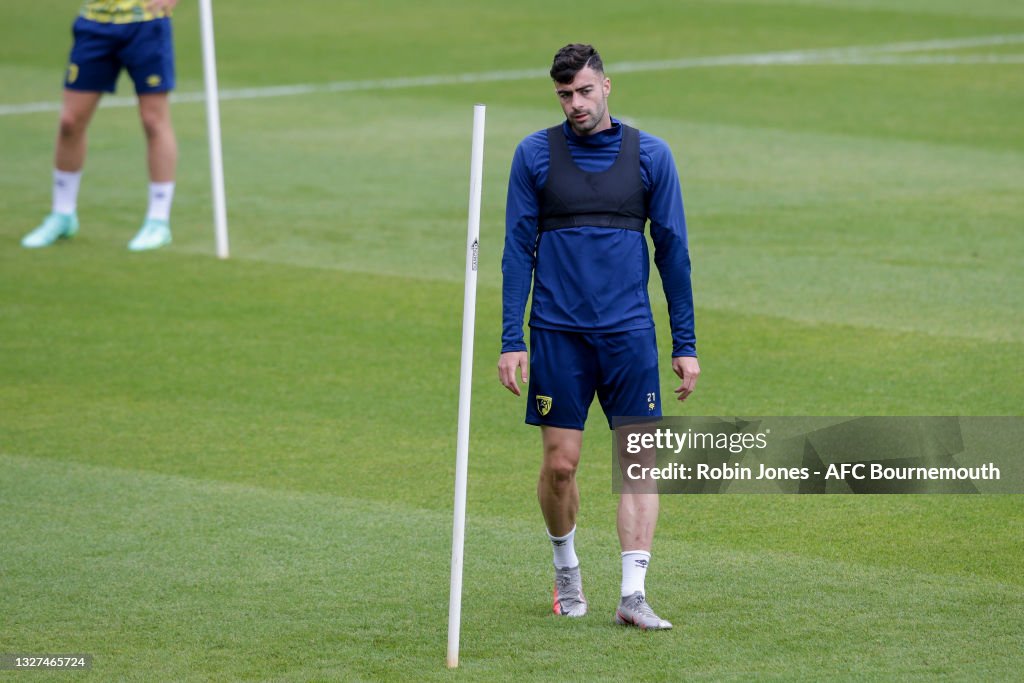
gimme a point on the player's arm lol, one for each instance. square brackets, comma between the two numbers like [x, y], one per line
[517, 262]
[672, 258]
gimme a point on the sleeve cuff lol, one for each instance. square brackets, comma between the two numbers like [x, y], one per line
[684, 351]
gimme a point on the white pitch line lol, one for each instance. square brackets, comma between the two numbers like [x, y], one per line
[818, 56]
[947, 43]
[304, 89]
[896, 60]
[852, 55]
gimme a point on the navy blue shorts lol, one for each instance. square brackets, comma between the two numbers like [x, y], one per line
[101, 50]
[568, 368]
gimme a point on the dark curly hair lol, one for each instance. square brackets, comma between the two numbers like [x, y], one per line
[572, 59]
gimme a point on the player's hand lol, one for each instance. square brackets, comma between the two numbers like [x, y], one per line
[161, 5]
[687, 369]
[508, 364]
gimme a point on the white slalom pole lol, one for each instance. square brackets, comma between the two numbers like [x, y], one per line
[220, 215]
[476, 171]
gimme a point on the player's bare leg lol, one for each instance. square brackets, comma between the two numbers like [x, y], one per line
[636, 520]
[556, 488]
[161, 143]
[559, 499]
[76, 112]
[162, 159]
[75, 115]
[637, 517]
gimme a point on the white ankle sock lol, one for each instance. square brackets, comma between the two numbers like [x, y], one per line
[65, 190]
[634, 571]
[565, 550]
[160, 197]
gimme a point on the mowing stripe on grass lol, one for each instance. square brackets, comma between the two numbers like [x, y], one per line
[852, 55]
[218, 580]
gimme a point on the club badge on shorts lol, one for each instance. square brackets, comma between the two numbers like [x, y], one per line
[543, 405]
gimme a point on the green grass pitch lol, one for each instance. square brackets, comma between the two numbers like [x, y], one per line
[243, 470]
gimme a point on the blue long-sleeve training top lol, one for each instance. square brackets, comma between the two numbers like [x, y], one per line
[594, 279]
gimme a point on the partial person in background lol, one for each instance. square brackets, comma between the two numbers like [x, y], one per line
[111, 35]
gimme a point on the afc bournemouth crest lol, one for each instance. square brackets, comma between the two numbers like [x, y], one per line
[543, 405]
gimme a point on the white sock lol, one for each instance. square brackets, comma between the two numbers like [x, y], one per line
[634, 571]
[65, 190]
[160, 196]
[565, 550]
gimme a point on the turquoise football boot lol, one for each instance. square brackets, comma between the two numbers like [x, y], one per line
[154, 234]
[56, 226]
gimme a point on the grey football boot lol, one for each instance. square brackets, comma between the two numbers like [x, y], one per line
[633, 610]
[568, 598]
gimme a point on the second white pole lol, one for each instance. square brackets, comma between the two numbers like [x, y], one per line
[220, 213]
